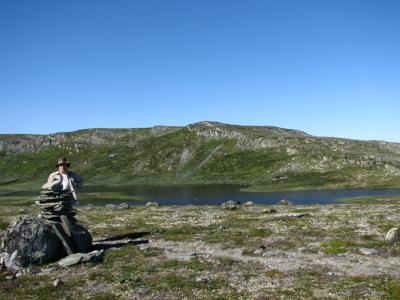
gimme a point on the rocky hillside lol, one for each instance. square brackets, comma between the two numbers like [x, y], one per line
[263, 157]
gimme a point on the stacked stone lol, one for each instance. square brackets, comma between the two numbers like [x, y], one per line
[58, 211]
[56, 204]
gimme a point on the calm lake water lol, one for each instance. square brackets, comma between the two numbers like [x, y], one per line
[216, 194]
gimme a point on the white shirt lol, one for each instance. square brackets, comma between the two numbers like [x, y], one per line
[65, 182]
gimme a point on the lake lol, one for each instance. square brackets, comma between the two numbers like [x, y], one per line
[216, 194]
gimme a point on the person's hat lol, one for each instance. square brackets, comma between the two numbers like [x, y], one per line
[63, 161]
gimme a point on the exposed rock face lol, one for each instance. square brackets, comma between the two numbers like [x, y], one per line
[34, 241]
[32, 143]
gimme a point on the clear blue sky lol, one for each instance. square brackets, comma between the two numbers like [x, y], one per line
[328, 67]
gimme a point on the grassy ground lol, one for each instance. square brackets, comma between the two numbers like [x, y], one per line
[299, 252]
[370, 200]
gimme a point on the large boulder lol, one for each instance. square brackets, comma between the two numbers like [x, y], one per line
[31, 241]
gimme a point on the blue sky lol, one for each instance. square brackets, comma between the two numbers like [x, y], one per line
[330, 68]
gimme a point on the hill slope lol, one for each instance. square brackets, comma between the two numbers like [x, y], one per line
[205, 152]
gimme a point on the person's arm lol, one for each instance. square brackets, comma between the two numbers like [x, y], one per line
[51, 178]
[47, 185]
[78, 180]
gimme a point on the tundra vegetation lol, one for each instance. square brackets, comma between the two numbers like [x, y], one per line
[260, 157]
[333, 251]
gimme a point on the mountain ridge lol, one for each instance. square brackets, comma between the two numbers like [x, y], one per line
[205, 152]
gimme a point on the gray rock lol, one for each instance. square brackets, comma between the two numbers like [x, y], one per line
[2, 265]
[284, 202]
[10, 261]
[71, 260]
[393, 235]
[31, 241]
[367, 251]
[298, 215]
[230, 205]
[152, 204]
[113, 206]
[123, 206]
[203, 279]
[268, 211]
[57, 282]
[77, 258]
[46, 271]
[248, 203]
[260, 250]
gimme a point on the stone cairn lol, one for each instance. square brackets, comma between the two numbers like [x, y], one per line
[57, 210]
[52, 236]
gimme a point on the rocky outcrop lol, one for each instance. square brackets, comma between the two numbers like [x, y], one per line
[77, 140]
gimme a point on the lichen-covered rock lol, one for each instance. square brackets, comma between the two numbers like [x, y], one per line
[393, 235]
[31, 241]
